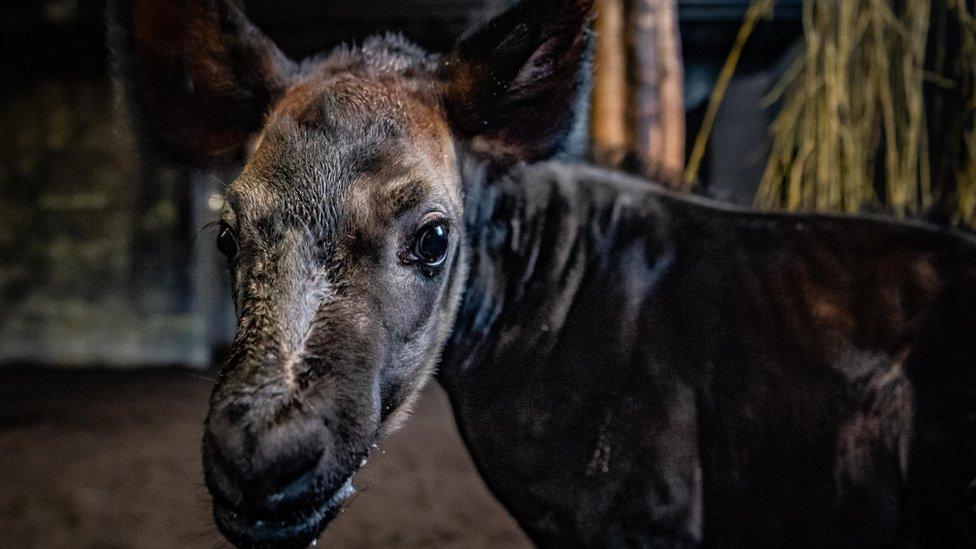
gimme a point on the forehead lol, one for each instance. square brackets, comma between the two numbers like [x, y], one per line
[349, 130]
[386, 86]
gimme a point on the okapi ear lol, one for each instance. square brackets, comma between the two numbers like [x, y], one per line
[517, 87]
[198, 76]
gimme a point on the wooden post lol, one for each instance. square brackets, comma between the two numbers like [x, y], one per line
[608, 114]
[656, 79]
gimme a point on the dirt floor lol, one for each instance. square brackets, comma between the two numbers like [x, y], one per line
[111, 460]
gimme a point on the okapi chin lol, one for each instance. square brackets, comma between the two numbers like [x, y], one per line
[628, 367]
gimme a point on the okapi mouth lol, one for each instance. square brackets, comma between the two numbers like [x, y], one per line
[299, 527]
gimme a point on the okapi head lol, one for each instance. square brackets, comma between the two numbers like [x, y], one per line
[344, 233]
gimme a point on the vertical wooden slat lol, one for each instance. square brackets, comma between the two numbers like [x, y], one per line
[656, 80]
[671, 73]
[608, 115]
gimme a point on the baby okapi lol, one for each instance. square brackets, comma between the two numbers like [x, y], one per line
[627, 367]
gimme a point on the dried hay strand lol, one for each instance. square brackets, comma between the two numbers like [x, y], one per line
[756, 11]
[852, 135]
[966, 176]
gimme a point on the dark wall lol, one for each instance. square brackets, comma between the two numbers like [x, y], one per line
[67, 174]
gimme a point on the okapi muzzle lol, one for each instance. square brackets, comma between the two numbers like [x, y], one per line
[293, 414]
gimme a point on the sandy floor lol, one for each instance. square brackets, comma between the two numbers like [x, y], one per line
[111, 460]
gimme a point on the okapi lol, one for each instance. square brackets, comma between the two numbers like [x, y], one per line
[628, 367]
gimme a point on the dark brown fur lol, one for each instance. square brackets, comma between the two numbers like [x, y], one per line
[628, 367]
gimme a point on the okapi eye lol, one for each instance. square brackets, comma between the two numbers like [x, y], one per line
[431, 244]
[227, 241]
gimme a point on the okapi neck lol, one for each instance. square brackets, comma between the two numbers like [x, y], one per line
[538, 235]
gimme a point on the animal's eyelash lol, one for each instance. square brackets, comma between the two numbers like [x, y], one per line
[209, 226]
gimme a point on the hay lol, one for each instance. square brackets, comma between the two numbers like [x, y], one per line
[757, 10]
[966, 176]
[851, 134]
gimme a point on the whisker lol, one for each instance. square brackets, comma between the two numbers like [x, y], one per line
[198, 376]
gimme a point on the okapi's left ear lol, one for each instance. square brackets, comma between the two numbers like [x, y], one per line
[198, 76]
[517, 87]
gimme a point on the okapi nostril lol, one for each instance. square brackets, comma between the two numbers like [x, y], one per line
[235, 412]
[296, 491]
[299, 467]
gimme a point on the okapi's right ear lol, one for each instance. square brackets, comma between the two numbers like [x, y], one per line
[517, 88]
[198, 76]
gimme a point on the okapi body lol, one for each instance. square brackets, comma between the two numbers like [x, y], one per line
[633, 368]
[627, 367]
